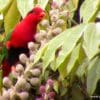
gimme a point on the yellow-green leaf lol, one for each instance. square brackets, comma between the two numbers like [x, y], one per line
[40, 53]
[75, 2]
[43, 3]
[56, 86]
[24, 6]
[93, 75]
[92, 40]
[74, 57]
[12, 17]
[70, 62]
[89, 9]
[70, 38]
[3, 4]
[67, 41]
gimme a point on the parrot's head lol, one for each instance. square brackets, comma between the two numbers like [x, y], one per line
[36, 14]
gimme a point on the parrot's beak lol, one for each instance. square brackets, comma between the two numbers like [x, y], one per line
[42, 15]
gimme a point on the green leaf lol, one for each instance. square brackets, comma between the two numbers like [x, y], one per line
[1, 58]
[3, 4]
[53, 64]
[70, 63]
[82, 68]
[74, 57]
[62, 68]
[56, 86]
[66, 41]
[93, 75]
[91, 40]
[1, 38]
[43, 3]
[63, 88]
[3, 54]
[24, 6]
[40, 53]
[75, 2]
[12, 17]
[98, 15]
[89, 9]
[69, 40]
[7, 37]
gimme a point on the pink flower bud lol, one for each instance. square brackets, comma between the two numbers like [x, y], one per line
[42, 89]
[50, 82]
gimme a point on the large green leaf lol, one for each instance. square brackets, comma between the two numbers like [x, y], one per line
[62, 68]
[43, 3]
[3, 4]
[39, 54]
[70, 39]
[66, 41]
[74, 57]
[93, 75]
[69, 64]
[24, 6]
[92, 40]
[89, 9]
[82, 68]
[12, 17]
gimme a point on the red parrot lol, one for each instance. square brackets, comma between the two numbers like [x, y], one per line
[23, 33]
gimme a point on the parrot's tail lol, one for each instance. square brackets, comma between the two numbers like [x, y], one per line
[12, 59]
[6, 68]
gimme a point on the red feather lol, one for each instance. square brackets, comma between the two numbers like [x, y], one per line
[26, 29]
[23, 33]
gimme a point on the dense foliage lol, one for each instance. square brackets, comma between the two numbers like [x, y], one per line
[64, 62]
